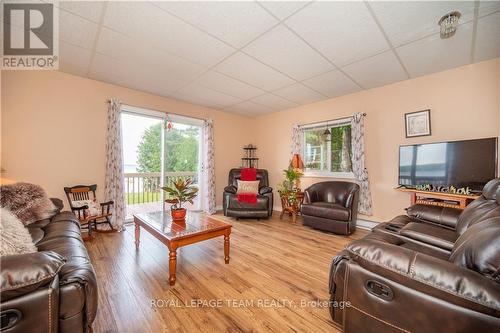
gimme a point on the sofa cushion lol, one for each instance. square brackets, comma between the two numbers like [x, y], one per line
[478, 248]
[14, 236]
[430, 234]
[326, 210]
[261, 204]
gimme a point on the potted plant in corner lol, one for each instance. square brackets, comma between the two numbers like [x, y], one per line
[180, 192]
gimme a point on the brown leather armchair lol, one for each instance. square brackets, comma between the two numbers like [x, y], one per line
[331, 206]
[53, 290]
[434, 270]
[232, 207]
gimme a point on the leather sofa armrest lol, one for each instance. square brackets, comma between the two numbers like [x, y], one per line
[439, 278]
[350, 198]
[265, 189]
[230, 189]
[24, 273]
[435, 214]
[310, 196]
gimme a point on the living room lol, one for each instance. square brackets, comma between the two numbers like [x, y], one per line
[266, 87]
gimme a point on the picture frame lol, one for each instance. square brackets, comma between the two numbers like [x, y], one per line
[418, 123]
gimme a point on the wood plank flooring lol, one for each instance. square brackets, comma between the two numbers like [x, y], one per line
[277, 276]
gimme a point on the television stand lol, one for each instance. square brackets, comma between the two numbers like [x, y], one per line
[442, 199]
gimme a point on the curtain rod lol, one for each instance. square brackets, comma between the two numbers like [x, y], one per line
[162, 111]
[329, 120]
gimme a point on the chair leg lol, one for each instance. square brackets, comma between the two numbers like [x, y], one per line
[109, 222]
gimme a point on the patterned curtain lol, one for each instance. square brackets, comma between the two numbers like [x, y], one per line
[114, 165]
[209, 168]
[297, 136]
[358, 164]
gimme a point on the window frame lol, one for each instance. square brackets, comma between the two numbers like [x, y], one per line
[324, 173]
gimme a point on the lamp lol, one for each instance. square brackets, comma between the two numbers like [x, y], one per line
[449, 24]
[296, 162]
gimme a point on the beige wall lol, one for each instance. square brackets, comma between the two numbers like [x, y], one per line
[463, 101]
[54, 125]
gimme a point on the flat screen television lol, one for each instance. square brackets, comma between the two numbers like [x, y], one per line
[464, 163]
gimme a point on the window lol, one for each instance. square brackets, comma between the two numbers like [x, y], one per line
[328, 155]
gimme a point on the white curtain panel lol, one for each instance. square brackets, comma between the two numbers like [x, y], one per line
[208, 194]
[297, 136]
[114, 165]
[358, 164]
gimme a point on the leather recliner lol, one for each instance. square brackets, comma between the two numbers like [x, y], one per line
[53, 290]
[262, 209]
[390, 282]
[438, 228]
[331, 206]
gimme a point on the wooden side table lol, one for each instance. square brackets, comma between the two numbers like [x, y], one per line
[292, 207]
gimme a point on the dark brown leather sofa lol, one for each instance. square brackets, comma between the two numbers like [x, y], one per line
[331, 206]
[232, 207]
[53, 290]
[399, 282]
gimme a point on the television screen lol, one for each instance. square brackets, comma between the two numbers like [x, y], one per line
[465, 163]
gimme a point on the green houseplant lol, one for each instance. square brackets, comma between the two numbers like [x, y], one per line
[181, 191]
[288, 188]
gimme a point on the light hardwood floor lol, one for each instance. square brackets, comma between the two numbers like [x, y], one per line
[277, 268]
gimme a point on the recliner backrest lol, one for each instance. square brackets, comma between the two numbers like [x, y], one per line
[332, 191]
[235, 174]
[486, 206]
[478, 248]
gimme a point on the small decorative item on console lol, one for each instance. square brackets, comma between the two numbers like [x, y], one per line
[181, 192]
[445, 189]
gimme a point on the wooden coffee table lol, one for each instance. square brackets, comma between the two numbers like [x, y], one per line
[196, 228]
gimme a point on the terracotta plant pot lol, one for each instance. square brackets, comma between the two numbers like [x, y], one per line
[178, 214]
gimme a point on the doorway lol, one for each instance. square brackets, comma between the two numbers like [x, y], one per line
[158, 149]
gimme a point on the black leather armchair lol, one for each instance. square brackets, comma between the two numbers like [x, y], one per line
[331, 206]
[262, 209]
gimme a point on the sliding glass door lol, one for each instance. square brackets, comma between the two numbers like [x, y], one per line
[158, 149]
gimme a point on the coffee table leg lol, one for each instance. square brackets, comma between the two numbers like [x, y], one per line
[137, 235]
[172, 266]
[226, 249]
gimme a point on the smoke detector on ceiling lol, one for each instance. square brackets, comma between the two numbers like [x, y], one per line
[449, 24]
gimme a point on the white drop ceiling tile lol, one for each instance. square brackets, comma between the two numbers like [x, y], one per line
[228, 85]
[433, 54]
[299, 94]
[376, 71]
[332, 84]
[245, 68]
[132, 75]
[73, 59]
[117, 45]
[488, 7]
[249, 109]
[342, 31]
[76, 30]
[406, 21]
[211, 97]
[236, 23]
[91, 10]
[274, 102]
[146, 22]
[283, 9]
[283, 50]
[488, 38]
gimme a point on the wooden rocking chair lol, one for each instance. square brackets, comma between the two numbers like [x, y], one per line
[82, 193]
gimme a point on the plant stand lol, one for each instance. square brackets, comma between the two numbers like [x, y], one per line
[291, 206]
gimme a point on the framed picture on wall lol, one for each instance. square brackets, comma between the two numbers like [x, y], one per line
[418, 123]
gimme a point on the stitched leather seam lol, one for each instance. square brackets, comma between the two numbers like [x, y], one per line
[344, 296]
[379, 319]
[50, 309]
[429, 284]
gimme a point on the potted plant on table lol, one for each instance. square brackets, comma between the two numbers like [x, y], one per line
[289, 187]
[181, 191]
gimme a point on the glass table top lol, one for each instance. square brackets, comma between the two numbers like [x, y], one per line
[195, 223]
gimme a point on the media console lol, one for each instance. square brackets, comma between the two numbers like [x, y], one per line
[442, 199]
